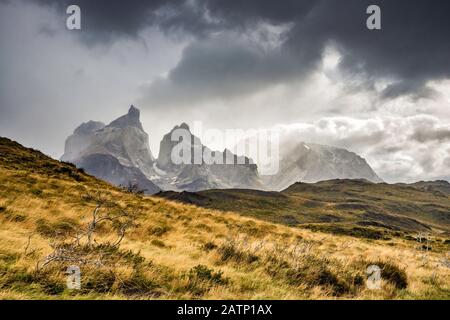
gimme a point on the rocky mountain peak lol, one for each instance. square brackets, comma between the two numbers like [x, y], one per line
[167, 144]
[184, 126]
[131, 119]
[310, 163]
[118, 153]
[134, 112]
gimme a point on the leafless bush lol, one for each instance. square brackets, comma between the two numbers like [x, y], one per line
[83, 248]
[133, 187]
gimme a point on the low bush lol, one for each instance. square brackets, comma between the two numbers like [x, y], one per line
[206, 274]
[230, 251]
[60, 228]
[99, 281]
[138, 284]
[312, 272]
[200, 279]
[208, 246]
[158, 243]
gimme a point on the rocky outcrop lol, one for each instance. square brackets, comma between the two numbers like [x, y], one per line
[93, 146]
[198, 173]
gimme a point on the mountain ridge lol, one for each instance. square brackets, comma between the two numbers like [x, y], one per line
[125, 139]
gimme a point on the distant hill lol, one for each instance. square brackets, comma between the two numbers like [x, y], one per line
[337, 203]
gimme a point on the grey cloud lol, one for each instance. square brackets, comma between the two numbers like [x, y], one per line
[447, 163]
[411, 48]
[414, 89]
[221, 68]
[393, 154]
[106, 20]
[228, 56]
[431, 134]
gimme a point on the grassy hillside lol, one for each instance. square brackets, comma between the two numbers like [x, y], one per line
[353, 207]
[174, 250]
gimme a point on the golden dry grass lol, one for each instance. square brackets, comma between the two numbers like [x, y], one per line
[246, 258]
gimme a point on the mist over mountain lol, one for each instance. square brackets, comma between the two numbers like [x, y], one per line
[309, 162]
[119, 153]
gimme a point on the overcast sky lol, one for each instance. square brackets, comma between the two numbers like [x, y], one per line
[310, 68]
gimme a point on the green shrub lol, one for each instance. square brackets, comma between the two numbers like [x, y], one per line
[204, 273]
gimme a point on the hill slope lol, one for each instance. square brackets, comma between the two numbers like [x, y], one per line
[182, 251]
[336, 206]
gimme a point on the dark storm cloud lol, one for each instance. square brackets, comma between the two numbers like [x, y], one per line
[106, 17]
[105, 20]
[411, 49]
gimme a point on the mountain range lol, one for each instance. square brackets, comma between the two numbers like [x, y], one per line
[120, 154]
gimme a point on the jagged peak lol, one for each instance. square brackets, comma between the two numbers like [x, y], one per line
[183, 125]
[130, 119]
[134, 112]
